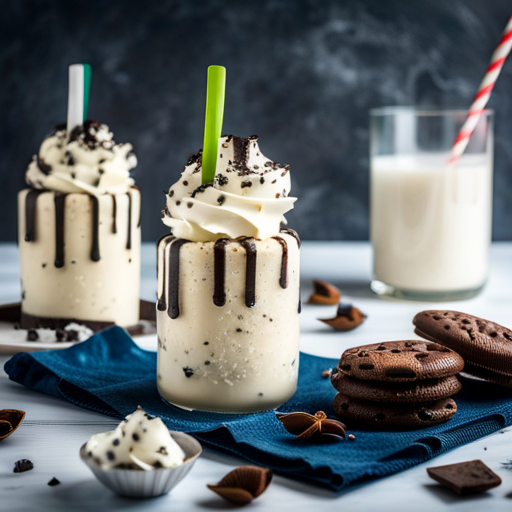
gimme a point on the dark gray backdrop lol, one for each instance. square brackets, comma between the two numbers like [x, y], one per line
[301, 74]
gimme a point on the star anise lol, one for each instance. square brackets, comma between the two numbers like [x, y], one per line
[307, 426]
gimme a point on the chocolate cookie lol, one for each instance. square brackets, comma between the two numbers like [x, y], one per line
[400, 361]
[383, 392]
[355, 412]
[488, 375]
[478, 341]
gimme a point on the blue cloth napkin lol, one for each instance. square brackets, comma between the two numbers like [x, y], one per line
[110, 374]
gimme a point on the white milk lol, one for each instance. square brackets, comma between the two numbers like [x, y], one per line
[430, 224]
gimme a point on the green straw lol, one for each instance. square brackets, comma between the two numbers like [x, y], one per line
[87, 87]
[215, 93]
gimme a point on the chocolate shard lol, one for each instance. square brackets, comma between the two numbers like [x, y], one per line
[22, 465]
[243, 484]
[469, 477]
[324, 293]
[347, 318]
[10, 420]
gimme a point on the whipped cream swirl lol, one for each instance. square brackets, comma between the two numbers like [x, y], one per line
[86, 160]
[248, 197]
[140, 441]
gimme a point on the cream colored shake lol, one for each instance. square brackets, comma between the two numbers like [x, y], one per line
[79, 232]
[228, 286]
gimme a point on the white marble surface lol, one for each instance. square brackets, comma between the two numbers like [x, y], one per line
[53, 430]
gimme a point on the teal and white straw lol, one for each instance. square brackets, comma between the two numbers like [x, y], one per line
[78, 94]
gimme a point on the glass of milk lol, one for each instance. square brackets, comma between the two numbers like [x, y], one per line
[430, 222]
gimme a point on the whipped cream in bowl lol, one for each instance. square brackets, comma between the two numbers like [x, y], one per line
[141, 458]
[85, 160]
[248, 197]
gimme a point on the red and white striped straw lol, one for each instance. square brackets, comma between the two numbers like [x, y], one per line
[484, 92]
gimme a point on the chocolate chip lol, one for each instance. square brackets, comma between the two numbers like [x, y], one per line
[116, 442]
[246, 184]
[171, 193]
[60, 334]
[221, 200]
[44, 265]
[425, 415]
[206, 343]
[188, 372]
[262, 180]
[22, 465]
[32, 335]
[239, 330]
[135, 437]
[178, 203]
[207, 363]
[53, 482]
[110, 455]
[189, 205]
[72, 335]
[185, 183]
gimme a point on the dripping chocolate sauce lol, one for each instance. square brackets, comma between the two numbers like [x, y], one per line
[170, 301]
[95, 249]
[161, 267]
[129, 237]
[219, 255]
[283, 278]
[114, 214]
[173, 268]
[30, 214]
[60, 203]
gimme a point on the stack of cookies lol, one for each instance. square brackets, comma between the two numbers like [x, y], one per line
[485, 346]
[397, 384]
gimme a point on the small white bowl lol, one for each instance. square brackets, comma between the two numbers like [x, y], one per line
[137, 483]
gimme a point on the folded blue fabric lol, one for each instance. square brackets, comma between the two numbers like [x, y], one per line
[110, 374]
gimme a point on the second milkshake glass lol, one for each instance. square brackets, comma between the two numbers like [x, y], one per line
[430, 222]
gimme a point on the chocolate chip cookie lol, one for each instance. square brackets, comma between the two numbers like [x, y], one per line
[480, 342]
[423, 391]
[360, 412]
[400, 361]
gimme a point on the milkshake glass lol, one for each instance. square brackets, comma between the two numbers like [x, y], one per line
[79, 232]
[228, 286]
[430, 221]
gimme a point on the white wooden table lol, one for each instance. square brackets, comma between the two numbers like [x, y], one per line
[53, 430]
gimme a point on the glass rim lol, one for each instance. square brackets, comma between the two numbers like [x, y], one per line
[424, 112]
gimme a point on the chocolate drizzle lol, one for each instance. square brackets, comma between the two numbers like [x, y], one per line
[30, 214]
[173, 269]
[60, 203]
[95, 248]
[250, 271]
[129, 237]
[293, 233]
[162, 245]
[114, 214]
[219, 291]
[283, 279]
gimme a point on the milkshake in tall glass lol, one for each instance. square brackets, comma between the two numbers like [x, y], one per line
[79, 232]
[228, 285]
